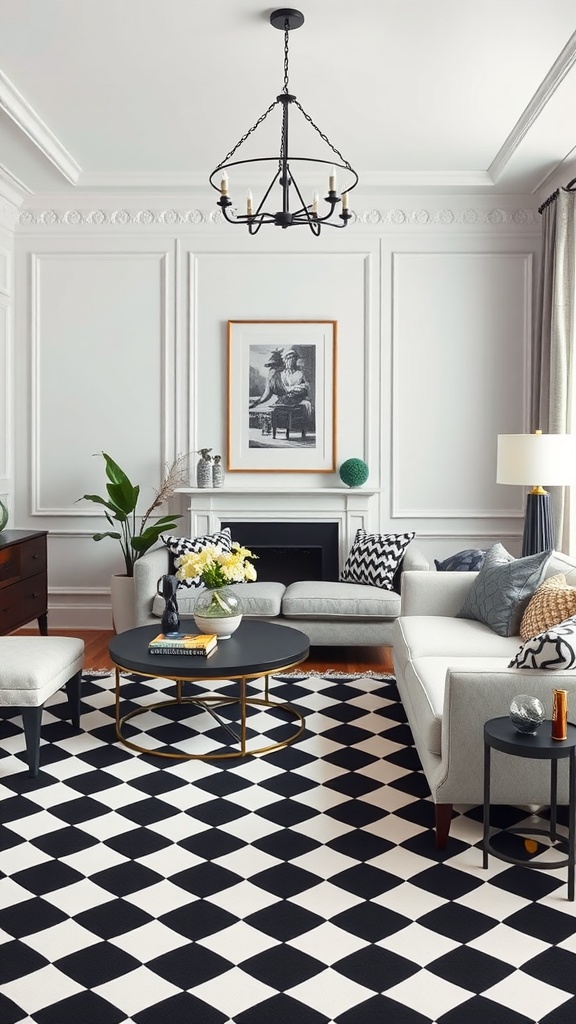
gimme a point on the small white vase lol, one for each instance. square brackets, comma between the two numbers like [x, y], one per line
[218, 610]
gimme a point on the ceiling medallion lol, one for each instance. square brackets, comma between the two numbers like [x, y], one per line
[294, 210]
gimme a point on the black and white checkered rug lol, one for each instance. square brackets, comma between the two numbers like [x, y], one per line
[299, 887]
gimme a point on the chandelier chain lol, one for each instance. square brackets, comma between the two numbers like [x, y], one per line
[286, 57]
[248, 133]
[322, 135]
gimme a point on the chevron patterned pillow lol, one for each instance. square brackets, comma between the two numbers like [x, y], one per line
[374, 558]
[185, 545]
[555, 648]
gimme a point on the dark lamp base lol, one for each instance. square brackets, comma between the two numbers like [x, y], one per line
[538, 526]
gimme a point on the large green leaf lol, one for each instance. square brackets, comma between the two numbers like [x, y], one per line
[114, 535]
[124, 496]
[114, 473]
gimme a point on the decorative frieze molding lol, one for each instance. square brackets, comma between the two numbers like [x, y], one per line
[396, 217]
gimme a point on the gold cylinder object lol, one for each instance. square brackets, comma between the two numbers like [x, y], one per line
[560, 714]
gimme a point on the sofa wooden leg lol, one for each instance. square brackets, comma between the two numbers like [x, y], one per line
[443, 819]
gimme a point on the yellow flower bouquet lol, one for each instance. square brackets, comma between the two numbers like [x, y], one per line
[217, 568]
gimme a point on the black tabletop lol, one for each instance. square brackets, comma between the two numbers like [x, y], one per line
[255, 648]
[501, 734]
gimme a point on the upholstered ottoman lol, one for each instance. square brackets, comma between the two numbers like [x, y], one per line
[32, 668]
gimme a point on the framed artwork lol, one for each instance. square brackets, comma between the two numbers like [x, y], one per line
[282, 396]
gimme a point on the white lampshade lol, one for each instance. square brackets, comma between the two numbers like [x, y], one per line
[536, 460]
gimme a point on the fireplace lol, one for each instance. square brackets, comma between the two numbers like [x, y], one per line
[290, 551]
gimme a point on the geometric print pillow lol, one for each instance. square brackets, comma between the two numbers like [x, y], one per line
[186, 545]
[374, 558]
[555, 648]
[553, 602]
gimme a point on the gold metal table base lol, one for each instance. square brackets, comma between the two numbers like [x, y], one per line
[206, 703]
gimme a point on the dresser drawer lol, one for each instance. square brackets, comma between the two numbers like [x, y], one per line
[33, 557]
[10, 565]
[23, 602]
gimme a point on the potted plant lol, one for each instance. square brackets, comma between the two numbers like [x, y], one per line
[135, 533]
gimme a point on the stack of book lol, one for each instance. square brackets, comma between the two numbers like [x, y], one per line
[185, 643]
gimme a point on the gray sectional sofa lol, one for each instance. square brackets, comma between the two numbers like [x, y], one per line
[453, 675]
[330, 613]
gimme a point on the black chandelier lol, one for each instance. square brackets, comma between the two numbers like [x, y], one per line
[307, 214]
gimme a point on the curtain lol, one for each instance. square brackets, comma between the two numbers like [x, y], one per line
[553, 389]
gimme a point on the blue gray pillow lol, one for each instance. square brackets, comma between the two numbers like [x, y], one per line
[469, 560]
[503, 588]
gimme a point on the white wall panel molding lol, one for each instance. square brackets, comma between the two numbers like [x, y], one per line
[6, 425]
[46, 353]
[473, 217]
[461, 326]
[324, 285]
[5, 271]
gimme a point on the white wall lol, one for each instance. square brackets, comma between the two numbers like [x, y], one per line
[6, 371]
[120, 345]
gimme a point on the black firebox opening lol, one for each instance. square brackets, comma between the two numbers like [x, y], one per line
[290, 551]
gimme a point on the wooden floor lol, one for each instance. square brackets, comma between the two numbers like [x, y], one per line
[344, 659]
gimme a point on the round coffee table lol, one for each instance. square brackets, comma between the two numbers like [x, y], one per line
[256, 649]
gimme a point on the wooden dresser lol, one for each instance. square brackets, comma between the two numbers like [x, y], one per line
[23, 580]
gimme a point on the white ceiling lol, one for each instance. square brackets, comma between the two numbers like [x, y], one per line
[419, 95]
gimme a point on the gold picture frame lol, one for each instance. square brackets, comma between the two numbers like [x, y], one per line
[282, 396]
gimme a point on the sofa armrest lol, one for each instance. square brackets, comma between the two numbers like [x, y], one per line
[147, 572]
[471, 698]
[435, 593]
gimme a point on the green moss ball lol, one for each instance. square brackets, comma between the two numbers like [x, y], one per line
[354, 472]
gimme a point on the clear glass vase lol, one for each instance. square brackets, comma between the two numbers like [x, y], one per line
[218, 610]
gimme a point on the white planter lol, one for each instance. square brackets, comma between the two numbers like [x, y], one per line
[122, 598]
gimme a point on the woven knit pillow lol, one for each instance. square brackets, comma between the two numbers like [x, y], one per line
[374, 558]
[553, 602]
[555, 648]
[187, 545]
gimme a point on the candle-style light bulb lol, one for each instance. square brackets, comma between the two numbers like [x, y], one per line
[224, 183]
[344, 200]
[315, 198]
[249, 204]
[332, 180]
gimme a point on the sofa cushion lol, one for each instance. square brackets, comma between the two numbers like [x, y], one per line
[374, 558]
[555, 648]
[309, 599]
[553, 602]
[418, 636]
[187, 545]
[502, 589]
[262, 600]
[468, 560]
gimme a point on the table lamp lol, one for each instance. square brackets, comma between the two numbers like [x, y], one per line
[526, 458]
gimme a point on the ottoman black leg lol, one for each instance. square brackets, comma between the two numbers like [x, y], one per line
[73, 694]
[32, 720]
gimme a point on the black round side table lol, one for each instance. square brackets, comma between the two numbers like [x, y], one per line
[500, 734]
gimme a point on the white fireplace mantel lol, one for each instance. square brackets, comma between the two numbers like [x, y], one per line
[350, 507]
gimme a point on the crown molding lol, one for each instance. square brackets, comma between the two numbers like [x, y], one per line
[11, 188]
[560, 68]
[26, 118]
